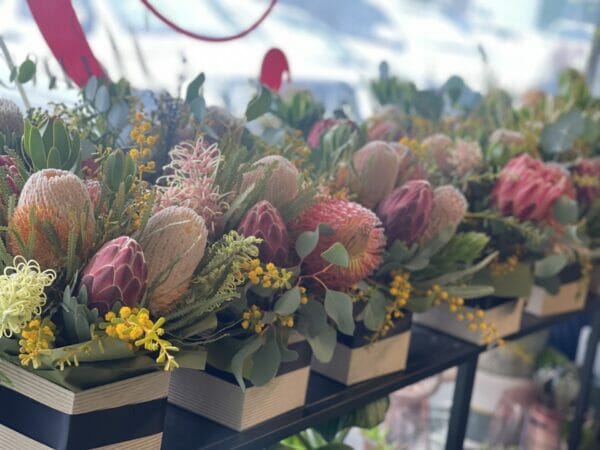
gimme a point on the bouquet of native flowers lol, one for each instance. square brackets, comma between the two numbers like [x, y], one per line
[85, 273]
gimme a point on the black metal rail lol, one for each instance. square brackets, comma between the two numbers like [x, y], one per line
[430, 353]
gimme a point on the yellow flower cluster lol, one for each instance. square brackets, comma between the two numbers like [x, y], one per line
[502, 268]
[584, 181]
[135, 327]
[400, 289]
[141, 200]
[143, 144]
[303, 295]
[268, 277]
[252, 319]
[414, 145]
[475, 317]
[35, 338]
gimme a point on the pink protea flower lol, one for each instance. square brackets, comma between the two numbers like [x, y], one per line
[190, 181]
[405, 212]
[586, 176]
[116, 273]
[265, 222]
[449, 209]
[528, 188]
[357, 228]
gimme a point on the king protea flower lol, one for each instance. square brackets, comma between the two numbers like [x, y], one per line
[355, 227]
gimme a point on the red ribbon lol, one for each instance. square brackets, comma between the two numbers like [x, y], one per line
[62, 31]
[203, 37]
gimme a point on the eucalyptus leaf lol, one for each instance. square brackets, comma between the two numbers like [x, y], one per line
[26, 71]
[565, 210]
[339, 307]
[337, 255]
[198, 107]
[560, 136]
[102, 101]
[193, 89]
[238, 361]
[470, 291]
[549, 266]
[306, 243]
[265, 362]
[192, 359]
[288, 303]
[323, 344]
[375, 311]
[312, 318]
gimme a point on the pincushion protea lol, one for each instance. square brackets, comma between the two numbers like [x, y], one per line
[375, 172]
[174, 241]
[116, 273]
[357, 228]
[265, 222]
[449, 209]
[282, 183]
[405, 212]
[190, 180]
[528, 188]
[61, 199]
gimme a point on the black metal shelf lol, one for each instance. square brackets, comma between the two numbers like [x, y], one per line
[431, 352]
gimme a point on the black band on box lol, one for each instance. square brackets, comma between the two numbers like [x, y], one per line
[81, 431]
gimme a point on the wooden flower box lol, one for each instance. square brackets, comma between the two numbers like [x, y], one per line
[39, 414]
[357, 359]
[216, 395]
[504, 313]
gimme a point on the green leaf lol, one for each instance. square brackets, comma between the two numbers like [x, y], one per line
[198, 107]
[260, 104]
[36, 149]
[549, 266]
[565, 210]
[102, 101]
[193, 89]
[91, 86]
[470, 291]
[288, 303]
[516, 283]
[429, 104]
[337, 255]
[323, 344]
[375, 311]
[26, 71]
[265, 362]
[192, 359]
[306, 243]
[53, 160]
[312, 318]
[339, 307]
[238, 361]
[419, 304]
[560, 136]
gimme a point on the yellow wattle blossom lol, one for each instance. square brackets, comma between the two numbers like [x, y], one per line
[503, 268]
[36, 337]
[135, 327]
[22, 294]
[475, 317]
[400, 290]
[143, 144]
[268, 277]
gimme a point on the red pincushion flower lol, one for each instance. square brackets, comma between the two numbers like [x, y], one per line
[528, 188]
[355, 227]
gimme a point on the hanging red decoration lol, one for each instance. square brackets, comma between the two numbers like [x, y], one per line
[273, 67]
[62, 31]
[203, 37]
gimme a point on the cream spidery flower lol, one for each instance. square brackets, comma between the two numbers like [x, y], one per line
[22, 294]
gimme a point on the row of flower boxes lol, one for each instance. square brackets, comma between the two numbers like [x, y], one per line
[128, 414]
